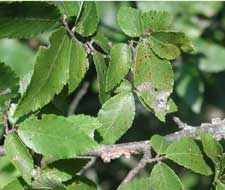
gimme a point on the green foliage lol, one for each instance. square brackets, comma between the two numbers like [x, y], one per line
[19, 155]
[20, 19]
[45, 149]
[116, 116]
[8, 86]
[88, 19]
[50, 74]
[120, 62]
[58, 131]
[78, 64]
[162, 177]
[187, 153]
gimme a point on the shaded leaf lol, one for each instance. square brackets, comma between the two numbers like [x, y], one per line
[156, 20]
[87, 22]
[137, 184]
[19, 155]
[189, 85]
[20, 19]
[8, 85]
[164, 50]
[102, 42]
[211, 147]
[8, 171]
[17, 184]
[82, 183]
[68, 8]
[177, 38]
[162, 177]
[213, 56]
[116, 116]
[119, 65]
[78, 64]
[159, 144]
[17, 55]
[187, 153]
[130, 21]
[153, 78]
[50, 74]
[101, 68]
[55, 130]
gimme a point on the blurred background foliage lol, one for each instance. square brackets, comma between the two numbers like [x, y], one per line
[199, 83]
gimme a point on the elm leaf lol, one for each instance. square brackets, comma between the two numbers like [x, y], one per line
[78, 64]
[163, 177]
[68, 140]
[49, 76]
[116, 116]
[153, 78]
[8, 85]
[164, 50]
[19, 155]
[88, 20]
[27, 19]
[187, 153]
[101, 69]
[130, 21]
[119, 65]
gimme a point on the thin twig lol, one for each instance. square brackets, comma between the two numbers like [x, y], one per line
[140, 166]
[78, 97]
[5, 123]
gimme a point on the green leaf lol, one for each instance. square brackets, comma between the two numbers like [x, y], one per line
[85, 123]
[19, 155]
[78, 64]
[116, 116]
[211, 147]
[187, 153]
[68, 8]
[189, 84]
[213, 56]
[220, 186]
[17, 55]
[137, 184]
[101, 68]
[153, 78]
[88, 20]
[159, 144]
[50, 74]
[119, 65]
[17, 184]
[82, 183]
[102, 42]
[70, 167]
[156, 20]
[8, 171]
[20, 19]
[58, 132]
[162, 177]
[8, 86]
[164, 50]
[177, 38]
[130, 21]
[124, 86]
